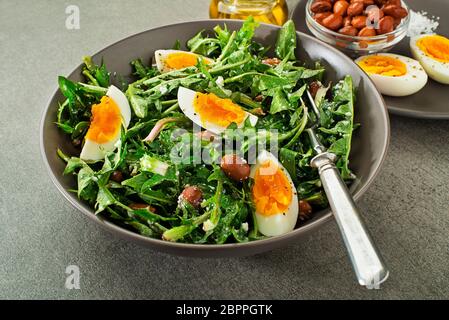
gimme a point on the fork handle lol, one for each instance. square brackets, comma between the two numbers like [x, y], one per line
[366, 259]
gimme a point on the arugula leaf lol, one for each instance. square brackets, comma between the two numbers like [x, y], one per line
[104, 199]
[138, 103]
[280, 102]
[264, 82]
[151, 216]
[286, 41]
[73, 164]
[344, 95]
[68, 89]
[101, 74]
[223, 35]
[136, 182]
[246, 32]
[297, 95]
[142, 229]
[203, 46]
[87, 187]
[141, 70]
[288, 160]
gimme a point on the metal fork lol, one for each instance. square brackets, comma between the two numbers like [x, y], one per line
[365, 257]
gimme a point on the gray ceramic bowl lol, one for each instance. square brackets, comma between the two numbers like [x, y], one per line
[369, 148]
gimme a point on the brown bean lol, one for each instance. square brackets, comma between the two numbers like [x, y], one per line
[320, 16]
[355, 9]
[374, 13]
[363, 44]
[321, 6]
[394, 11]
[346, 21]
[77, 143]
[386, 25]
[333, 22]
[389, 9]
[349, 31]
[206, 135]
[366, 3]
[401, 13]
[305, 210]
[397, 22]
[340, 7]
[139, 206]
[271, 61]
[235, 167]
[117, 176]
[193, 195]
[258, 112]
[258, 98]
[314, 86]
[395, 2]
[367, 32]
[359, 22]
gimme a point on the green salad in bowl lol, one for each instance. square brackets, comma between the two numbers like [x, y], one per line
[205, 145]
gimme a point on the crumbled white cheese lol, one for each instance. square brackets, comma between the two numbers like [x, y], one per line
[151, 164]
[208, 225]
[181, 201]
[163, 89]
[420, 23]
[220, 81]
[245, 226]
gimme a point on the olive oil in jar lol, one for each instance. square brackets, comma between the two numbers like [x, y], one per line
[268, 11]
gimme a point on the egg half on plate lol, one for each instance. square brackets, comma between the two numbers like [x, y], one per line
[169, 60]
[394, 75]
[274, 196]
[107, 119]
[433, 53]
[211, 112]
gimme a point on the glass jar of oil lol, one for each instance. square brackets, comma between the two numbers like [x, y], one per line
[268, 11]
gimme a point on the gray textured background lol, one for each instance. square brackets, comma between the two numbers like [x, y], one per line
[40, 233]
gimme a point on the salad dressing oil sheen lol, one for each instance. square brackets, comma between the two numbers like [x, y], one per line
[267, 11]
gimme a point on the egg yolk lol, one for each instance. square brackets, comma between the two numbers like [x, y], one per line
[213, 109]
[272, 193]
[180, 60]
[435, 47]
[105, 122]
[383, 65]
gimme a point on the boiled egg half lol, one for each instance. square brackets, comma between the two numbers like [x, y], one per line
[394, 75]
[107, 119]
[169, 60]
[212, 112]
[433, 53]
[274, 196]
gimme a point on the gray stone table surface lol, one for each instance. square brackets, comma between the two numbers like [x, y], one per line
[407, 208]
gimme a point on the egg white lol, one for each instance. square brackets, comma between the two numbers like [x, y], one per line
[161, 56]
[94, 151]
[186, 99]
[413, 81]
[437, 70]
[281, 223]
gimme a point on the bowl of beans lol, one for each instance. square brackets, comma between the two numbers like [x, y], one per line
[358, 27]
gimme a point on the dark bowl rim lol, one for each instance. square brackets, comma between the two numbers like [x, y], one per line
[129, 235]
